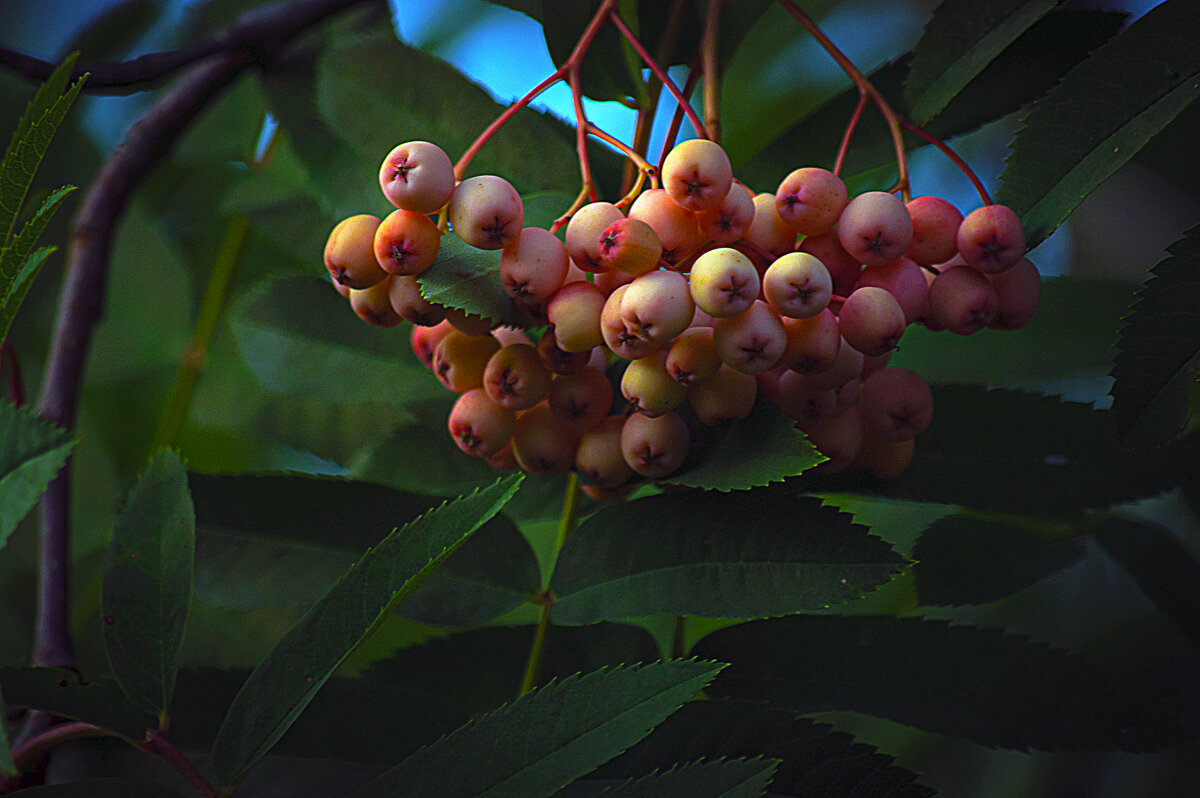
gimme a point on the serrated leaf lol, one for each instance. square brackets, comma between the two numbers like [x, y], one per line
[19, 287]
[467, 278]
[753, 554]
[479, 670]
[301, 339]
[1100, 115]
[31, 453]
[274, 540]
[1159, 349]
[577, 724]
[751, 452]
[283, 684]
[1026, 454]
[362, 97]
[980, 684]
[22, 244]
[148, 584]
[63, 692]
[6, 761]
[813, 759]
[103, 788]
[963, 560]
[31, 139]
[1165, 569]
[722, 778]
[962, 38]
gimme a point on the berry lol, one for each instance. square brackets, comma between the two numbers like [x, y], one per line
[991, 239]
[350, 252]
[486, 212]
[655, 447]
[875, 228]
[810, 200]
[417, 176]
[723, 282]
[697, 174]
[797, 285]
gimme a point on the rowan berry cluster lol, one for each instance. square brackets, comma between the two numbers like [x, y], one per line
[704, 292]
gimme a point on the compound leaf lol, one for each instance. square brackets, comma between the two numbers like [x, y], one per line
[752, 554]
[550, 736]
[962, 38]
[963, 560]
[286, 681]
[31, 453]
[147, 586]
[62, 692]
[1159, 349]
[721, 778]
[1100, 115]
[981, 684]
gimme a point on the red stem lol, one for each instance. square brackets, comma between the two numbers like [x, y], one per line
[677, 119]
[12, 366]
[157, 743]
[954, 158]
[840, 160]
[659, 73]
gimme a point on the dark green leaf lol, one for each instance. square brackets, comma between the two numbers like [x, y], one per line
[29, 142]
[479, 670]
[364, 96]
[963, 560]
[752, 554]
[813, 759]
[1159, 353]
[20, 286]
[981, 684]
[469, 279]
[103, 788]
[301, 339]
[148, 584]
[610, 69]
[63, 692]
[18, 251]
[31, 452]
[1164, 568]
[962, 38]
[1100, 115]
[721, 778]
[752, 452]
[279, 689]
[6, 760]
[581, 722]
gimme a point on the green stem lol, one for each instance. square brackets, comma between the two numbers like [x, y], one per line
[678, 637]
[175, 410]
[566, 524]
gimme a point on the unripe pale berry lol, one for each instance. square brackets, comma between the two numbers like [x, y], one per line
[990, 239]
[479, 426]
[658, 306]
[729, 221]
[797, 285]
[935, 230]
[678, 231]
[619, 336]
[692, 357]
[460, 359]
[1017, 293]
[871, 320]
[903, 279]
[543, 443]
[767, 230]
[962, 300]
[574, 310]
[875, 228]
[752, 342]
[697, 174]
[843, 267]
[515, 377]
[655, 447]
[726, 396]
[406, 243]
[650, 388]
[584, 231]
[598, 458]
[812, 343]
[417, 176]
[350, 252]
[374, 305]
[581, 399]
[404, 292]
[629, 245]
[723, 282]
[810, 200]
[486, 212]
[534, 266]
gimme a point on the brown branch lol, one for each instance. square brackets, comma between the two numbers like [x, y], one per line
[82, 302]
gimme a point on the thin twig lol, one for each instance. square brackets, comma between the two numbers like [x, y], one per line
[11, 366]
[954, 158]
[708, 49]
[844, 147]
[677, 118]
[659, 73]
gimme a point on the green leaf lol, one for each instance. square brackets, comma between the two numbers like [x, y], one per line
[103, 788]
[283, 684]
[363, 95]
[1165, 569]
[813, 759]
[19, 287]
[611, 69]
[752, 554]
[17, 252]
[575, 725]
[63, 692]
[722, 778]
[980, 684]
[6, 761]
[962, 38]
[282, 540]
[148, 584]
[469, 279]
[963, 560]
[1100, 115]
[479, 670]
[31, 453]
[302, 340]
[31, 139]
[1159, 349]
[751, 452]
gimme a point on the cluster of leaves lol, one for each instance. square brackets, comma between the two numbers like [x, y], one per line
[317, 509]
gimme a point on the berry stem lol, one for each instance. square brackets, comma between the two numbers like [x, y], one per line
[677, 119]
[659, 73]
[157, 743]
[708, 51]
[647, 169]
[865, 87]
[12, 367]
[581, 134]
[954, 158]
[566, 524]
[844, 147]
